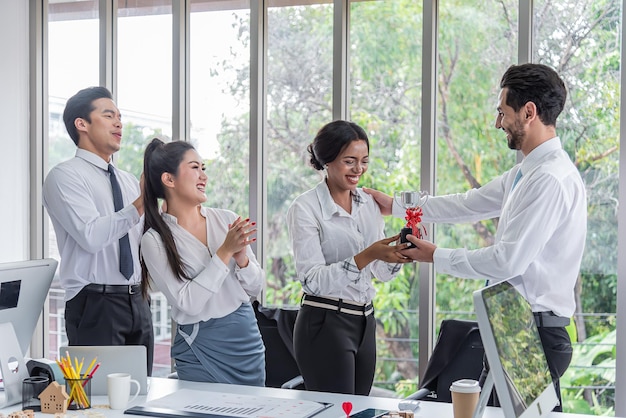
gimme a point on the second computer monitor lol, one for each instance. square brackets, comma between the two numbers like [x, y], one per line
[514, 352]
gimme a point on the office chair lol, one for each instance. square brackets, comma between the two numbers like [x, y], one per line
[458, 354]
[276, 327]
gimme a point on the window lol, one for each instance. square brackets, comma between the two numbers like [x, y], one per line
[385, 99]
[144, 73]
[470, 150]
[72, 66]
[220, 100]
[581, 43]
[144, 97]
[299, 93]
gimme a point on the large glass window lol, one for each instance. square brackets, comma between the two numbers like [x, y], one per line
[144, 56]
[220, 99]
[299, 94]
[477, 42]
[385, 91]
[144, 74]
[72, 66]
[470, 151]
[582, 42]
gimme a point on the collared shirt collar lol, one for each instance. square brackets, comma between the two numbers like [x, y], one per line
[169, 218]
[328, 205]
[174, 220]
[92, 158]
[536, 156]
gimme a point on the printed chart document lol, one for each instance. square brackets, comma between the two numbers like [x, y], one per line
[204, 404]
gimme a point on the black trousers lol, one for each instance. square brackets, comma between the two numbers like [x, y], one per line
[558, 349]
[335, 352]
[110, 319]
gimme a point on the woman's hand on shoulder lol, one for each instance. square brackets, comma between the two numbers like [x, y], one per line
[384, 201]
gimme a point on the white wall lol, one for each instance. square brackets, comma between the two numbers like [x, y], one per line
[14, 156]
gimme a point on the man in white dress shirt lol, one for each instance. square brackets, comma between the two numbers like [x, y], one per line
[97, 231]
[542, 206]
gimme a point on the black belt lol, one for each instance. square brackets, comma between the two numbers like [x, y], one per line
[128, 289]
[550, 320]
[338, 305]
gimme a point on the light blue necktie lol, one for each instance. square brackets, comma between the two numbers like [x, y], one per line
[517, 177]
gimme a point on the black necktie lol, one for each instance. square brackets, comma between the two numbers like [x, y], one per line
[126, 257]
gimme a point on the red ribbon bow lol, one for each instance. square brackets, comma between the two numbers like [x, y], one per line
[413, 218]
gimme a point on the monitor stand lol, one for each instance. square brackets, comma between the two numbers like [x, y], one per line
[485, 392]
[12, 366]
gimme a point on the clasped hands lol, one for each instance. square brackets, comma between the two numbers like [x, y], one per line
[238, 237]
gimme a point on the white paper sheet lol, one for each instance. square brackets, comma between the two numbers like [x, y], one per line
[188, 402]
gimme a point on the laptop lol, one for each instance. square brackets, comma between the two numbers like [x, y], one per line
[112, 359]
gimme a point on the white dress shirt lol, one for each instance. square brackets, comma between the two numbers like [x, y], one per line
[541, 231]
[325, 238]
[216, 289]
[77, 194]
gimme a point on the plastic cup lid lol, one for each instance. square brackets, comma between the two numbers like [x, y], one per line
[465, 386]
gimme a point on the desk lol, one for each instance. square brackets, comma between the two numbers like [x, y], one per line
[160, 387]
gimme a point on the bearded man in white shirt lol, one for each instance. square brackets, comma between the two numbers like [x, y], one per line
[96, 210]
[542, 208]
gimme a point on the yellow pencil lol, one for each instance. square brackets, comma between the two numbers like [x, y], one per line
[80, 366]
[71, 372]
[90, 366]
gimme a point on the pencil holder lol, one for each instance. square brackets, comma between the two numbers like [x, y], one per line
[79, 392]
[31, 389]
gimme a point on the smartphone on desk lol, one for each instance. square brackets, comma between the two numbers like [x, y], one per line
[369, 413]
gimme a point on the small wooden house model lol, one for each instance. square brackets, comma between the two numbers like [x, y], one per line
[54, 399]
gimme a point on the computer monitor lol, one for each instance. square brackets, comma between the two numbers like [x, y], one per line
[514, 352]
[24, 286]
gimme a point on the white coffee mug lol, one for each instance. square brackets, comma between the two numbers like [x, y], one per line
[118, 388]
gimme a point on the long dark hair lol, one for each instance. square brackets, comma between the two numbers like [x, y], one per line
[160, 158]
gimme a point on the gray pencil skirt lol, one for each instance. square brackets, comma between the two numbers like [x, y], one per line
[221, 350]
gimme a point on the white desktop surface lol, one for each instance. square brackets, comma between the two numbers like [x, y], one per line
[160, 387]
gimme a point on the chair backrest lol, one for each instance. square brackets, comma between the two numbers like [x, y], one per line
[276, 327]
[458, 354]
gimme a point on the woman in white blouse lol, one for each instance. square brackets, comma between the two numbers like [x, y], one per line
[200, 259]
[337, 235]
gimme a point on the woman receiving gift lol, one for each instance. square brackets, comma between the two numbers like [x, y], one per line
[337, 235]
[200, 259]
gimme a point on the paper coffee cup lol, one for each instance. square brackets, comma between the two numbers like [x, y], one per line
[465, 394]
